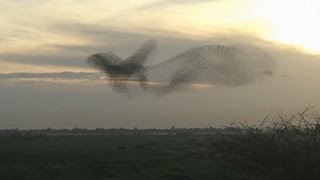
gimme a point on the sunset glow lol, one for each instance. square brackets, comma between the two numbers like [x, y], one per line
[49, 28]
[292, 22]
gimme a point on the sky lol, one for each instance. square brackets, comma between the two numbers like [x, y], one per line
[43, 38]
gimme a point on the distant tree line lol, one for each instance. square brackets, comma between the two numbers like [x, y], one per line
[102, 131]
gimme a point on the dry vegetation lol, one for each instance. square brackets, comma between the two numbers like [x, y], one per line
[286, 148]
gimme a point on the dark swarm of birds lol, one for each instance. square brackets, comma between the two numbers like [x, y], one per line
[228, 65]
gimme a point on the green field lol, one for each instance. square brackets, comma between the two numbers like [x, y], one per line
[115, 156]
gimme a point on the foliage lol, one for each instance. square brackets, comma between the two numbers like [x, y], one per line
[287, 148]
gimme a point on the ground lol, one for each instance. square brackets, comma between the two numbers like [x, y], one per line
[113, 156]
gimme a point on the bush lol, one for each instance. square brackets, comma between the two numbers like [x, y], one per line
[287, 148]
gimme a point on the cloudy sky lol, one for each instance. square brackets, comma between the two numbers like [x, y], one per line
[40, 39]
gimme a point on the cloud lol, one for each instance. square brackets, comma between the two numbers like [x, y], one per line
[168, 3]
[58, 75]
[110, 36]
[63, 60]
[98, 38]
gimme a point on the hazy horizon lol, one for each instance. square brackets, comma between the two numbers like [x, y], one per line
[45, 80]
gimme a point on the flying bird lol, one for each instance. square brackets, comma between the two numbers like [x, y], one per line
[120, 70]
[228, 65]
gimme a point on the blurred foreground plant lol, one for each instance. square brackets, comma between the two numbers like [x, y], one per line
[286, 148]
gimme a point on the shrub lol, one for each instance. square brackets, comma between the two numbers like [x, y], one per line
[287, 148]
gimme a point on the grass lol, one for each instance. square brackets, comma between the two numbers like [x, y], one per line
[113, 156]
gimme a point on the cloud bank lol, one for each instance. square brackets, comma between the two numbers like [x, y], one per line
[60, 75]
